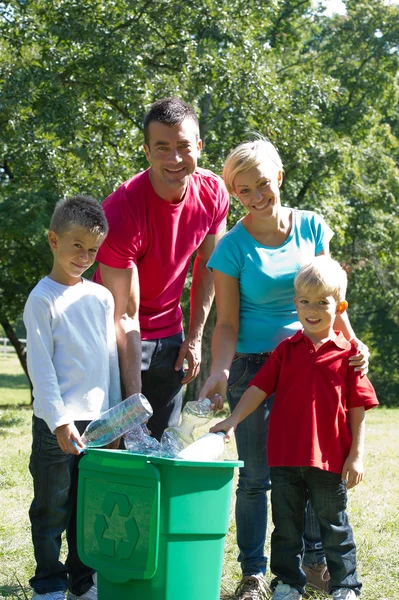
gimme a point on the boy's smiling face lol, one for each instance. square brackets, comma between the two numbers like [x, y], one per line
[317, 312]
[74, 252]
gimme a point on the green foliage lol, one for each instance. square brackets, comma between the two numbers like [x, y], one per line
[77, 78]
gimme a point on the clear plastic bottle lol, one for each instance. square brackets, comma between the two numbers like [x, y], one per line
[208, 447]
[116, 421]
[194, 414]
[139, 441]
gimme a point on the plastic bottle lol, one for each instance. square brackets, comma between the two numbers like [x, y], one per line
[207, 448]
[116, 421]
[139, 441]
[175, 439]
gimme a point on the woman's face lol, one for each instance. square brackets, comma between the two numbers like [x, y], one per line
[259, 190]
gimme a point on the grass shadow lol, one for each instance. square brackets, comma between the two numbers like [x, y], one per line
[7, 422]
[14, 592]
[18, 382]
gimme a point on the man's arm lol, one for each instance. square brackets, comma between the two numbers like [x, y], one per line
[124, 286]
[201, 298]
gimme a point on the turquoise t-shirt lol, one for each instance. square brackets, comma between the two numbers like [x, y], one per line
[266, 278]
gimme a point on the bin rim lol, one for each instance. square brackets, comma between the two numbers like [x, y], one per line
[178, 462]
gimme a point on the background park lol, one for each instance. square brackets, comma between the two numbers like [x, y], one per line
[76, 78]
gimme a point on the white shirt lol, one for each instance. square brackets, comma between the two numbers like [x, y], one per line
[71, 351]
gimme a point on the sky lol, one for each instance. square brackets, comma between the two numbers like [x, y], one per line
[337, 6]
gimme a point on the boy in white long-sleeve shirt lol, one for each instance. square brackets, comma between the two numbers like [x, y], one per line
[73, 366]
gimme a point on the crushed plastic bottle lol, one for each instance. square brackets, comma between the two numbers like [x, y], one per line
[138, 440]
[116, 421]
[208, 447]
[194, 414]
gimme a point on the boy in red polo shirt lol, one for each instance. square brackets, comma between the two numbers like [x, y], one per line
[316, 433]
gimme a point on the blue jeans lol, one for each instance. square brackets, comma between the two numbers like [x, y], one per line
[53, 511]
[314, 553]
[292, 487]
[161, 384]
[254, 476]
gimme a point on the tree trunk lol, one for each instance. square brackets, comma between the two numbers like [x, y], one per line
[19, 348]
[193, 389]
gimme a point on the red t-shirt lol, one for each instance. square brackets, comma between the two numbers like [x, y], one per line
[160, 238]
[309, 422]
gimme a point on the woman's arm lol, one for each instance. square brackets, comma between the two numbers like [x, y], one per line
[342, 323]
[224, 338]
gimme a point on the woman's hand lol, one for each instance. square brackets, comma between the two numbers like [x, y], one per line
[215, 388]
[360, 360]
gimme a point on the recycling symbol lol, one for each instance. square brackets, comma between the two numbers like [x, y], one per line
[116, 532]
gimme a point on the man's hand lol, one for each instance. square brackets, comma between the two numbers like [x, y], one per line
[113, 445]
[353, 471]
[191, 351]
[69, 440]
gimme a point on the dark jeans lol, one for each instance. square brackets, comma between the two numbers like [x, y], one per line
[53, 511]
[254, 476]
[161, 384]
[314, 553]
[292, 487]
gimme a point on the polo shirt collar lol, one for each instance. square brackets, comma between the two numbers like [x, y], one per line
[340, 341]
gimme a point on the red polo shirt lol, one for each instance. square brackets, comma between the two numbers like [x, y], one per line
[309, 423]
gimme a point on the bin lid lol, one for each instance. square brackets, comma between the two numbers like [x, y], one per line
[118, 515]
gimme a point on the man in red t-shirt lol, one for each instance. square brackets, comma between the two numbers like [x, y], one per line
[157, 220]
[316, 433]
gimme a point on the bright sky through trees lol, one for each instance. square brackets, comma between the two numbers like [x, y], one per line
[337, 6]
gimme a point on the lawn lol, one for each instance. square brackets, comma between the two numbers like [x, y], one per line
[373, 505]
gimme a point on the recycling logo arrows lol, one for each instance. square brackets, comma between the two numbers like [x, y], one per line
[116, 529]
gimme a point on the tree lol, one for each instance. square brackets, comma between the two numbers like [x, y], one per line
[78, 78]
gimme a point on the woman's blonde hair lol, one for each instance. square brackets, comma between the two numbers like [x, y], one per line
[323, 275]
[248, 155]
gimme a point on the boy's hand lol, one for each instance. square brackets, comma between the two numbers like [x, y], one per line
[228, 426]
[353, 471]
[66, 436]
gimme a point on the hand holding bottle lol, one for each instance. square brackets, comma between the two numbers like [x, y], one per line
[228, 426]
[68, 439]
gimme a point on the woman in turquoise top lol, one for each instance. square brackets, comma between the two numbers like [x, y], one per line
[254, 266]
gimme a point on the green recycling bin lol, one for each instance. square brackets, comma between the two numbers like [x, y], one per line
[153, 528]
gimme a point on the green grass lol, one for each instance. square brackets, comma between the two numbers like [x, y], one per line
[373, 505]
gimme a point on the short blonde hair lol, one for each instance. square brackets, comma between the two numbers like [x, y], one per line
[248, 155]
[323, 274]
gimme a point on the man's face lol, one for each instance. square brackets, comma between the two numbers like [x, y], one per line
[173, 153]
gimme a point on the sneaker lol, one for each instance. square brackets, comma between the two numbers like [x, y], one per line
[49, 596]
[317, 576]
[284, 591]
[91, 594]
[252, 587]
[344, 594]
